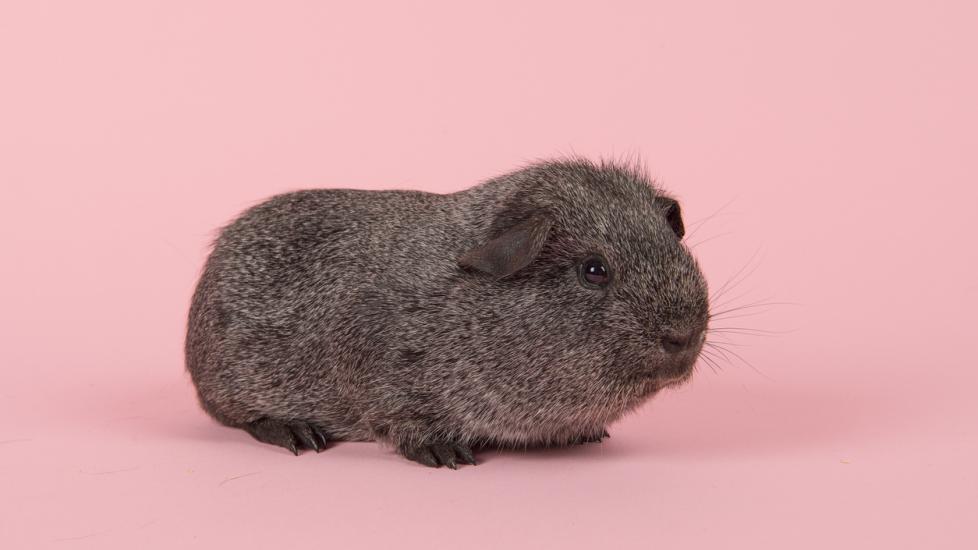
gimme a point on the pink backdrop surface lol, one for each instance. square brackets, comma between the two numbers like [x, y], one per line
[829, 147]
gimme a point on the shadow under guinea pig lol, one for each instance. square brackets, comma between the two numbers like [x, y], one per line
[708, 418]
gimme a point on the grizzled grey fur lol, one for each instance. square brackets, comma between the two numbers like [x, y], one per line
[442, 323]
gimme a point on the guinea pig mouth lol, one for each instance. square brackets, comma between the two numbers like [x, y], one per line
[666, 376]
[651, 384]
[674, 381]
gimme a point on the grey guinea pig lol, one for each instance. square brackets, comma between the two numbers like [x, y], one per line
[531, 310]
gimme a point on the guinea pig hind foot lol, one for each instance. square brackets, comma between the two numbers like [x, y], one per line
[293, 435]
[438, 454]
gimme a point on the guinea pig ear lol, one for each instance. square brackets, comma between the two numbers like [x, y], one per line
[511, 251]
[674, 216]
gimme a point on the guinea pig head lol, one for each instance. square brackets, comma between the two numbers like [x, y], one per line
[589, 263]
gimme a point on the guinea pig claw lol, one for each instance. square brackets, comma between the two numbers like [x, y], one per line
[294, 436]
[445, 455]
[321, 435]
[420, 455]
[273, 432]
[307, 436]
[440, 454]
[590, 438]
[464, 454]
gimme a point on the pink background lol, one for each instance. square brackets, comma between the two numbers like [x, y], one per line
[836, 139]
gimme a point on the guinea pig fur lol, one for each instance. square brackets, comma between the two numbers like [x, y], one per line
[530, 310]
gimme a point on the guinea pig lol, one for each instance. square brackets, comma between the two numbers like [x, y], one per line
[530, 310]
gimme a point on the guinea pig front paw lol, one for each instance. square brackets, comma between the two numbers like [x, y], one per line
[595, 437]
[438, 454]
[293, 435]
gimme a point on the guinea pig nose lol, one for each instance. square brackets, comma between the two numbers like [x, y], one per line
[679, 341]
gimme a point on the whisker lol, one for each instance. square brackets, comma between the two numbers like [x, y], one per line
[736, 275]
[699, 223]
[748, 331]
[742, 315]
[729, 343]
[753, 305]
[713, 354]
[710, 363]
[716, 351]
[723, 297]
[716, 303]
[692, 246]
[722, 349]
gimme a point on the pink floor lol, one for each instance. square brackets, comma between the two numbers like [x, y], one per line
[829, 153]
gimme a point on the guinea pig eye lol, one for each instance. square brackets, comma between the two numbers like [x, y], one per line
[594, 273]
